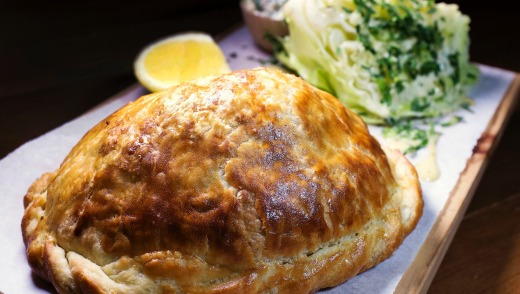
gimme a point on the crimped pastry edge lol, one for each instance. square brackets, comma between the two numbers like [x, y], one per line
[70, 272]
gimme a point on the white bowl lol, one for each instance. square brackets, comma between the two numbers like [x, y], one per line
[260, 24]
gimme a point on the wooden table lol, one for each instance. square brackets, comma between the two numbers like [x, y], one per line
[60, 60]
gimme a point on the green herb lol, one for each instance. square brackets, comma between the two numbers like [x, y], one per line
[258, 5]
[367, 68]
[453, 121]
[271, 60]
[385, 91]
[418, 64]
[365, 9]
[406, 131]
[471, 75]
[347, 10]
[395, 51]
[399, 86]
[466, 106]
[410, 68]
[454, 62]
[430, 66]
[365, 40]
[276, 43]
[401, 24]
[420, 104]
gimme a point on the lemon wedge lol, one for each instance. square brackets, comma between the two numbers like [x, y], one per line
[179, 58]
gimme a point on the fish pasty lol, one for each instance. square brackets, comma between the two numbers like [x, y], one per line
[252, 181]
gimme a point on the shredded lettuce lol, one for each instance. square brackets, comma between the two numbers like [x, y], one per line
[388, 60]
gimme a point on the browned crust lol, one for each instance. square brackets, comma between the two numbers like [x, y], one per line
[251, 182]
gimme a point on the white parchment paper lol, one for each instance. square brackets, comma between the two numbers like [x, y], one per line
[20, 168]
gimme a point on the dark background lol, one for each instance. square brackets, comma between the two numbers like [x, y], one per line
[59, 59]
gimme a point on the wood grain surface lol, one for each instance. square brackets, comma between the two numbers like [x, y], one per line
[419, 276]
[484, 257]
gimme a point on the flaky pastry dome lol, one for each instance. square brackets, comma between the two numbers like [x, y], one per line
[252, 181]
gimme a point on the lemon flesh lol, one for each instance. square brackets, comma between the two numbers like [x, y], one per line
[177, 59]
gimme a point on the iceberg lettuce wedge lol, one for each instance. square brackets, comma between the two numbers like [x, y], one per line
[388, 60]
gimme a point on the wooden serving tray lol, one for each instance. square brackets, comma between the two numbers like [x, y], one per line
[419, 275]
[409, 270]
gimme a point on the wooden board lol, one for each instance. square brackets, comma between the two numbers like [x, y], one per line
[45, 153]
[419, 275]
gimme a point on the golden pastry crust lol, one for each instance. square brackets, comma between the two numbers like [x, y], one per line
[253, 181]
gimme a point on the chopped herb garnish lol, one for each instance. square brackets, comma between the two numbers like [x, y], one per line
[394, 24]
[275, 42]
[385, 90]
[414, 53]
[454, 62]
[466, 106]
[258, 5]
[472, 75]
[453, 121]
[416, 137]
[420, 104]
[399, 86]
[347, 10]
[365, 40]
[365, 9]
[365, 68]
[429, 66]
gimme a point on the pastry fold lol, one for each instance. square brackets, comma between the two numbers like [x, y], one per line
[252, 181]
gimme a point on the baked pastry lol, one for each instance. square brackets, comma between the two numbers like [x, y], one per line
[253, 181]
